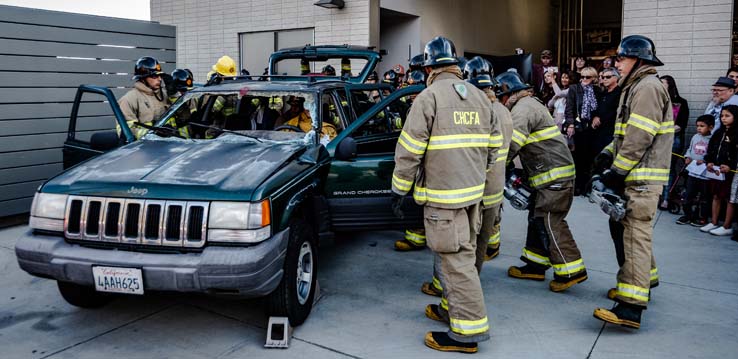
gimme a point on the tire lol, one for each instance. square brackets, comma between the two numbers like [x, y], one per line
[294, 296]
[82, 296]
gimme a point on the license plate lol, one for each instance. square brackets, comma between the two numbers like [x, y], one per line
[118, 280]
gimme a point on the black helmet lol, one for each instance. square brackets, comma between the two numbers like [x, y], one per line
[478, 72]
[509, 82]
[439, 52]
[462, 62]
[182, 80]
[416, 77]
[391, 77]
[145, 67]
[328, 70]
[373, 76]
[641, 47]
[416, 63]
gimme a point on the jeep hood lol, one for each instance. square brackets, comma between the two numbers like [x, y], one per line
[185, 170]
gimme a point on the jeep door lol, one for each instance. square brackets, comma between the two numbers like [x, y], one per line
[358, 187]
[92, 125]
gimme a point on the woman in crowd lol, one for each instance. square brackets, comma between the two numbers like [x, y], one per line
[579, 63]
[603, 121]
[557, 103]
[721, 159]
[581, 106]
[681, 117]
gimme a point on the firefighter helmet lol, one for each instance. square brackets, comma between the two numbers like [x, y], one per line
[640, 47]
[328, 70]
[225, 66]
[416, 77]
[391, 77]
[182, 79]
[416, 63]
[509, 82]
[478, 72]
[145, 67]
[439, 52]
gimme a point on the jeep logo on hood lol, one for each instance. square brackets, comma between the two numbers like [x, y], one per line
[138, 191]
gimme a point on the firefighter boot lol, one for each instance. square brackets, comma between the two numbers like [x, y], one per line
[491, 253]
[434, 311]
[527, 272]
[414, 240]
[429, 289]
[623, 314]
[442, 342]
[559, 284]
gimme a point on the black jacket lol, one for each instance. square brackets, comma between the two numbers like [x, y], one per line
[607, 109]
[722, 148]
[682, 117]
[574, 100]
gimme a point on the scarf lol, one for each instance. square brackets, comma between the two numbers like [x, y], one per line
[589, 103]
[453, 69]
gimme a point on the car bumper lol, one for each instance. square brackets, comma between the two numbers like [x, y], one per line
[252, 271]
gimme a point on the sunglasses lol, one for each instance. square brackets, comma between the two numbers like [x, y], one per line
[606, 77]
[587, 77]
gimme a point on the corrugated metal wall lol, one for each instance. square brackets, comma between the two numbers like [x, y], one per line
[44, 56]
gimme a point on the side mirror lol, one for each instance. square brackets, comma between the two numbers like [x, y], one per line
[346, 149]
[104, 141]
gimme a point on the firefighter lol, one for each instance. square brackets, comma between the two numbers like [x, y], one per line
[478, 72]
[224, 106]
[146, 102]
[181, 83]
[444, 150]
[550, 169]
[638, 160]
[390, 77]
[416, 63]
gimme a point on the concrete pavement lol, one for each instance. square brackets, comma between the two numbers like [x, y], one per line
[371, 306]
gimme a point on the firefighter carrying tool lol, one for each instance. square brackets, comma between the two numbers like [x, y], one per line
[550, 168]
[639, 159]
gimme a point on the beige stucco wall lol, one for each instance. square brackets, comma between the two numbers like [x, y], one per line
[207, 30]
[692, 39]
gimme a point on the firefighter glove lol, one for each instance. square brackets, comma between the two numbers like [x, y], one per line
[613, 181]
[602, 161]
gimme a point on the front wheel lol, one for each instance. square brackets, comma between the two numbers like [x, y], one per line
[294, 296]
[82, 296]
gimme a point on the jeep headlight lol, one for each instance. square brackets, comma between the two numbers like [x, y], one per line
[47, 212]
[239, 222]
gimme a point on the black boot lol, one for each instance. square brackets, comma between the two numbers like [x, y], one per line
[441, 341]
[624, 314]
[527, 271]
[559, 284]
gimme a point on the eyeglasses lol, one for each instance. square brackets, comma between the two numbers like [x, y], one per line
[720, 90]
[606, 77]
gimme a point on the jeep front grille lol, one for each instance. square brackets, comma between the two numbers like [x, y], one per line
[135, 221]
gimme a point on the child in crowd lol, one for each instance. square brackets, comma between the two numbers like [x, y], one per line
[696, 185]
[721, 155]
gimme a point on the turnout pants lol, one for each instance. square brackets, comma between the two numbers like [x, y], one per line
[489, 235]
[549, 242]
[638, 270]
[452, 235]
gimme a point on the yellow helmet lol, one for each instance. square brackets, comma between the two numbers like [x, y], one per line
[225, 66]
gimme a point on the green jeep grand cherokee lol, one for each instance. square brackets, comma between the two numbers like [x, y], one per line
[232, 210]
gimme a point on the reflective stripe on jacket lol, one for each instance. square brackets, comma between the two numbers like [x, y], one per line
[495, 183]
[644, 130]
[141, 105]
[446, 145]
[542, 148]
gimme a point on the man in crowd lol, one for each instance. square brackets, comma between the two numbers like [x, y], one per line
[540, 69]
[146, 102]
[444, 151]
[723, 94]
[638, 160]
[549, 167]
[603, 120]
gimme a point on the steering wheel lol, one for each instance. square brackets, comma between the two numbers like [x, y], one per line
[289, 127]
